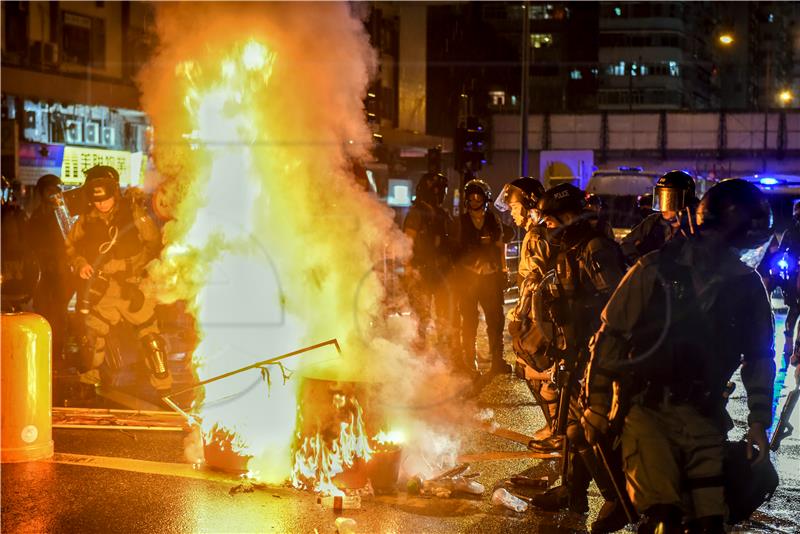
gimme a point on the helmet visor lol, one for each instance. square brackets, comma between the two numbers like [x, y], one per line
[503, 201]
[668, 199]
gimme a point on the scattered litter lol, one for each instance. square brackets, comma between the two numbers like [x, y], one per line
[455, 480]
[345, 525]
[501, 497]
[339, 503]
[248, 486]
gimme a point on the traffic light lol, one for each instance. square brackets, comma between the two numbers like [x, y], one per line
[470, 144]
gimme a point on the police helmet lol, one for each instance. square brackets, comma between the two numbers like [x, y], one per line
[525, 190]
[560, 199]
[102, 183]
[432, 188]
[46, 181]
[645, 201]
[739, 210]
[476, 186]
[673, 191]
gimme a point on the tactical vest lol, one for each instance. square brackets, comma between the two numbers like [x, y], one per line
[579, 304]
[688, 345]
[471, 240]
[116, 239]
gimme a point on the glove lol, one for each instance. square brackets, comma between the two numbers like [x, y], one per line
[595, 424]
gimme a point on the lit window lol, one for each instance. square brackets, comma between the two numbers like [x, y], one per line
[643, 70]
[618, 11]
[619, 69]
[541, 40]
[497, 98]
[674, 70]
[771, 18]
[595, 72]
[576, 74]
[634, 69]
[513, 100]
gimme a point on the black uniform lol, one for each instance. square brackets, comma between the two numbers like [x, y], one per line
[429, 268]
[482, 281]
[789, 251]
[589, 266]
[56, 282]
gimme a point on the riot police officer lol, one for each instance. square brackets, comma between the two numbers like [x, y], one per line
[427, 273]
[789, 253]
[673, 194]
[588, 267]
[683, 320]
[520, 198]
[109, 248]
[481, 261]
[56, 283]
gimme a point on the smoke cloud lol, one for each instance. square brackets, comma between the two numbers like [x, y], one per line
[258, 116]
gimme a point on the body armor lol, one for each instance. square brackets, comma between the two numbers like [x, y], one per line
[116, 239]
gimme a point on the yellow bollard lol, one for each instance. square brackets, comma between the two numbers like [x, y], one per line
[25, 409]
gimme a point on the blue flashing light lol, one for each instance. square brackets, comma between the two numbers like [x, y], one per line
[630, 169]
[768, 181]
[783, 264]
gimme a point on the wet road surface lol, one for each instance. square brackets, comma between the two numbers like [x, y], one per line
[129, 481]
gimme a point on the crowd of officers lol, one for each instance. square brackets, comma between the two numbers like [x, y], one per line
[628, 347]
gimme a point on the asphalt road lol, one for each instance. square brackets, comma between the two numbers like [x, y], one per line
[120, 480]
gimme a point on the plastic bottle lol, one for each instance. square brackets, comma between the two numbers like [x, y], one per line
[345, 525]
[468, 486]
[501, 497]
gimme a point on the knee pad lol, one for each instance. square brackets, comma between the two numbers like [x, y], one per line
[154, 350]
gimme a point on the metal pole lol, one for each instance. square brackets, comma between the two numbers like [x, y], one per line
[767, 97]
[523, 108]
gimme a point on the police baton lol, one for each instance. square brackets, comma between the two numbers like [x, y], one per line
[601, 448]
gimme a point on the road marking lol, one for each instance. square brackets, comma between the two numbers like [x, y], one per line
[144, 466]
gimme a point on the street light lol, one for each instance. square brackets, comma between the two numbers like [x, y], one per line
[785, 97]
[726, 39]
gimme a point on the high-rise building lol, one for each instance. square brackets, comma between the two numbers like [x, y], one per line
[656, 55]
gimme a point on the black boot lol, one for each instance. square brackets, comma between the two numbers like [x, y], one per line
[612, 516]
[712, 524]
[572, 495]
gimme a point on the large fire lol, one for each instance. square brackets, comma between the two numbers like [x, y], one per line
[272, 243]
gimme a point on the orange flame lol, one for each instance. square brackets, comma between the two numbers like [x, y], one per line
[316, 463]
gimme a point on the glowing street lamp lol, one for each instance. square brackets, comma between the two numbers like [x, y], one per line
[785, 97]
[726, 39]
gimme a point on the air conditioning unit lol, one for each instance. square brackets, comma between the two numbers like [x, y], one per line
[73, 131]
[44, 53]
[50, 53]
[92, 133]
[108, 136]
